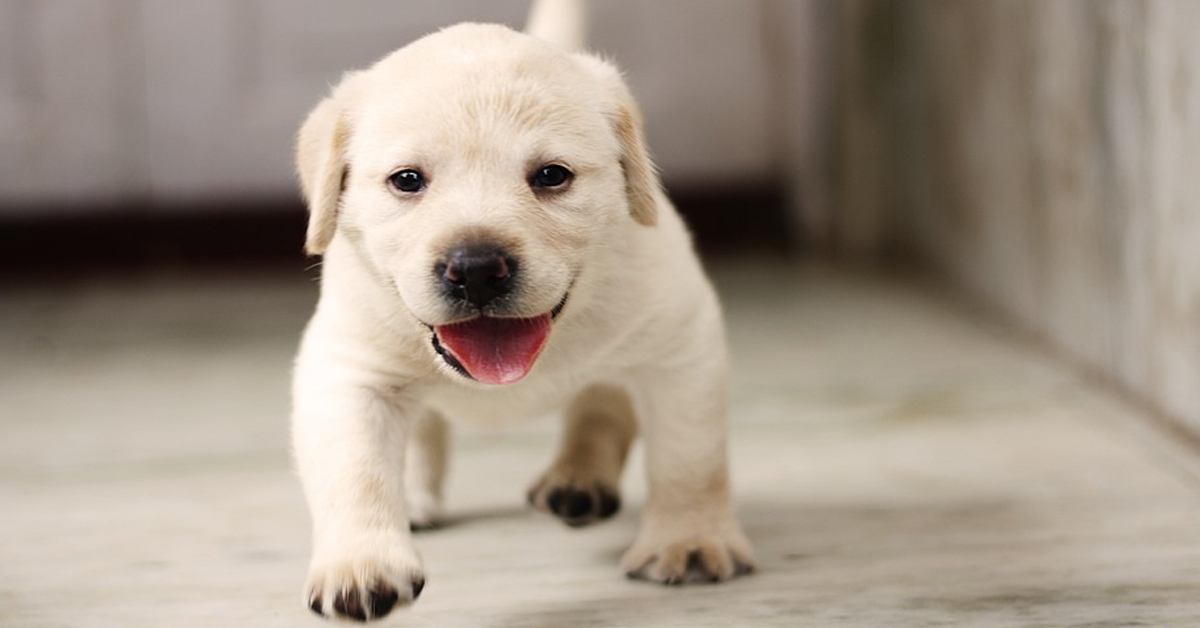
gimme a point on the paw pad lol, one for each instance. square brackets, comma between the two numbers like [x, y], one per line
[363, 605]
[579, 506]
[690, 561]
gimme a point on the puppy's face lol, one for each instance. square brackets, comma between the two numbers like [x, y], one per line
[475, 172]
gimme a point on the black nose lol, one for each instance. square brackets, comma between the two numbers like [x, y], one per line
[476, 274]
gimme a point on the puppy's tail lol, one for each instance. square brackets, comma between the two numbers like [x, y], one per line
[560, 22]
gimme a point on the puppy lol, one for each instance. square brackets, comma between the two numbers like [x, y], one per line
[496, 246]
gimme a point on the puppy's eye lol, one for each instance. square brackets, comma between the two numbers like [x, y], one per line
[409, 181]
[551, 176]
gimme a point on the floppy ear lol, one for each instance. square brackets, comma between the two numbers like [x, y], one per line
[642, 186]
[641, 177]
[321, 162]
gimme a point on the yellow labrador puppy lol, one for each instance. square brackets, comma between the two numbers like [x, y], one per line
[496, 247]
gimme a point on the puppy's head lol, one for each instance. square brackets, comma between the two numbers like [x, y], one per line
[474, 173]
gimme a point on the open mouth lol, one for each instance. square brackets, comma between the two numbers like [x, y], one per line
[494, 350]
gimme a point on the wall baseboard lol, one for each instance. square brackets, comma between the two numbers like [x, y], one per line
[35, 244]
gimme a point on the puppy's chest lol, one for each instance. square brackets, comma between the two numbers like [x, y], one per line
[496, 406]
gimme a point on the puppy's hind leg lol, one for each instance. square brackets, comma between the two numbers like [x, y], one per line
[425, 470]
[582, 484]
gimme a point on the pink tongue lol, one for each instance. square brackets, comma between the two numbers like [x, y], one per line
[496, 350]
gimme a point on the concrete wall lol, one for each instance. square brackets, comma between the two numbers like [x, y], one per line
[1045, 156]
[170, 104]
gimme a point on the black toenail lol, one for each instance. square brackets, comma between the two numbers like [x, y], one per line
[609, 503]
[554, 500]
[417, 587]
[698, 570]
[578, 504]
[348, 603]
[382, 601]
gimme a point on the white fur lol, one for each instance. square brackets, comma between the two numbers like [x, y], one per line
[476, 108]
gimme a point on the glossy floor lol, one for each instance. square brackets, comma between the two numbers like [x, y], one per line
[897, 463]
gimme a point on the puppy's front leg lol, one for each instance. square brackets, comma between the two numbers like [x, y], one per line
[349, 443]
[689, 532]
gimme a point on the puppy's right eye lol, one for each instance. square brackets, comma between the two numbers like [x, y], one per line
[551, 176]
[408, 181]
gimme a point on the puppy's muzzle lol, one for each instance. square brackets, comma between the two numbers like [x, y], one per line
[476, 274]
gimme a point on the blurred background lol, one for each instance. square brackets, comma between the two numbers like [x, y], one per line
[958, 241]
[1041, 157]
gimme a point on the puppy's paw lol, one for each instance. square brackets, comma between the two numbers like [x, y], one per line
[677, 559]
[364, 587]
[577, 503]
[425, 510]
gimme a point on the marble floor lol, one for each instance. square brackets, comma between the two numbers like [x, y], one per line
[898, 461]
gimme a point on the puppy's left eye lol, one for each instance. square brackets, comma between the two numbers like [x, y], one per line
[408, 181]
[551, 176]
